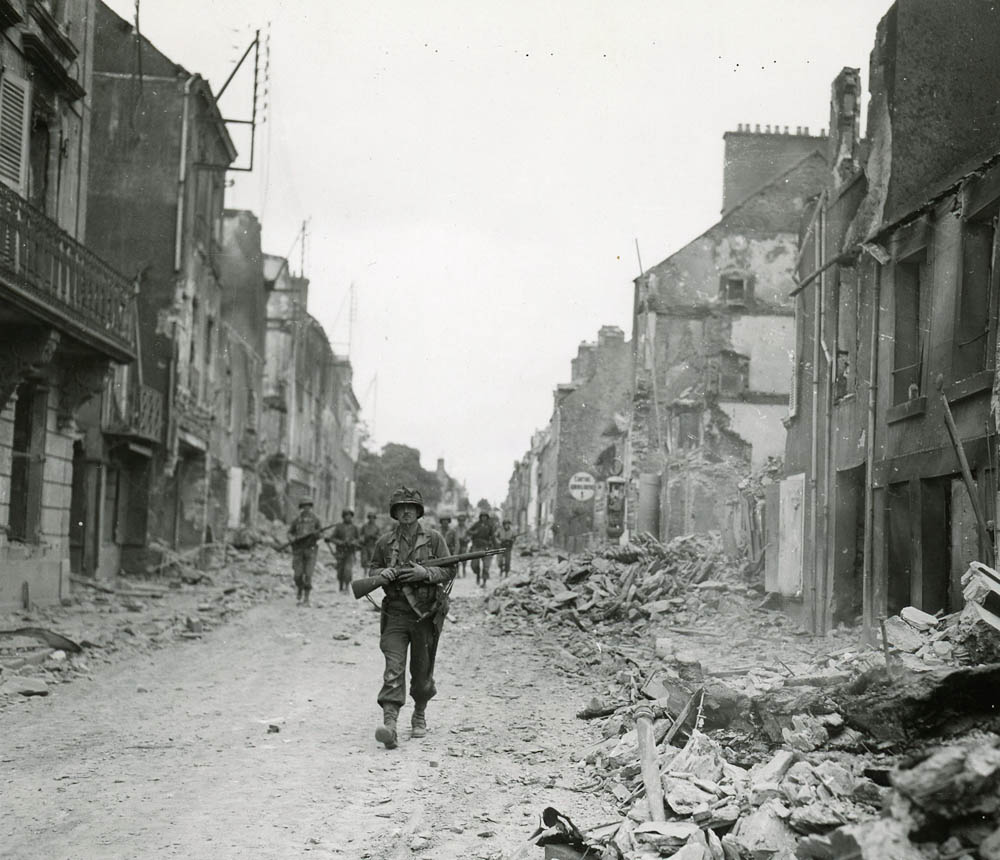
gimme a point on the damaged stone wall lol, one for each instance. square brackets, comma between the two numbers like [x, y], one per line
[715, 339]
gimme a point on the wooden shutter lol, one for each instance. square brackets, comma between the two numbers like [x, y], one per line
[15, 116]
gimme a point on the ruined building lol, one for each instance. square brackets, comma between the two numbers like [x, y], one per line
[159, 155]
[569, 487]
[529, 494]
[896, 303]
[309, 431]
[454, 496]
[713, 334]
[67, 317]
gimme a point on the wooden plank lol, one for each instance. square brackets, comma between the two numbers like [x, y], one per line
[772, 547]
[791, 523]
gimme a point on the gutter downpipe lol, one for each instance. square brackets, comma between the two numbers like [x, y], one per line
[831, 369]
[867, 576]
[182, 175]
[814, 432]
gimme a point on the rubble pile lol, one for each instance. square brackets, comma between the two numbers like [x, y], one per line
[770, 743]
[812, 785]
[969, 636]
[630, 582]
[107, 619]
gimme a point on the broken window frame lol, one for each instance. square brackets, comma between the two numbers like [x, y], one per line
[745, 295]
[847, 333]
[733, 366]
[974, 318]
[908, 364]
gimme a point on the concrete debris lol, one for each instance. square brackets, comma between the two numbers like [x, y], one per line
[22, 686]
[799, 747]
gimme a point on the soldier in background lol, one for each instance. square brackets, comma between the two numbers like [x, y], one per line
[483, 535]
[462, 533]
[507, 538]
[369, 535]
[304, 551]
[449, 534]
[345, 539]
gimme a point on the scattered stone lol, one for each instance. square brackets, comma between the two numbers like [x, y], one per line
[837, 778]
[918, 619]
[902, 636]
[273, 729]
[878, 839]
[776, 768]
[807, 733]
[762, 833]
[25, 686]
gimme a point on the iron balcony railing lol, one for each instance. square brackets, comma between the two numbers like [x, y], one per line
[48, 271]
[143, 416]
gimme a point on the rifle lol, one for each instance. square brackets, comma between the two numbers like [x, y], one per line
[368, 584]
[301, 538]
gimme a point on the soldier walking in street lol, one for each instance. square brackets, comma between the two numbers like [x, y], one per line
[413, 611]
[369, 535]
[345, 539]
[307, 526]
[449, 534]
[462, 533]
[507, 538]
[483, 536]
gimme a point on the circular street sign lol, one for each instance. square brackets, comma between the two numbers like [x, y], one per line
[581, 486]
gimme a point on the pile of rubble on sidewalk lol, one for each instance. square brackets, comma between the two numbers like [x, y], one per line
[631, 582]
[182, 596]
[765, 742]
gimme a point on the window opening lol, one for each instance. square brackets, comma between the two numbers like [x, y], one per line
[973, 324]
[909, 334]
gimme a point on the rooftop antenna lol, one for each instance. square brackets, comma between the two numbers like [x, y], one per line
[302, 248]
[253, 47]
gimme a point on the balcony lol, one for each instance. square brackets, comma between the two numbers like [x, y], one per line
[48, 274]
[143, 418]
[192, 417]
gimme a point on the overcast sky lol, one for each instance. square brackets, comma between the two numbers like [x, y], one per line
[480, 171]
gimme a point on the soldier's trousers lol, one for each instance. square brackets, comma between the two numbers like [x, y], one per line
[485, 562]
[401, 631]
[303, 564]
[367, 550]
[345, 568]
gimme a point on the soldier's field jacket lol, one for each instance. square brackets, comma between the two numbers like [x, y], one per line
[389, 553]
[306, 523]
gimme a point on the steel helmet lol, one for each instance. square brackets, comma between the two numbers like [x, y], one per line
[406, 496]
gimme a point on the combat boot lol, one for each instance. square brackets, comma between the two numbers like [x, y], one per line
[298, 595]
[305, 597]
[418, 722]
[386, 733]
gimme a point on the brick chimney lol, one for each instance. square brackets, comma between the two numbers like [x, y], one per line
[754, 158]
[610, 335]
[582, 367]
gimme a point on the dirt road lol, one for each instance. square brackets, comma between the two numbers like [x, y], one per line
[170, 754]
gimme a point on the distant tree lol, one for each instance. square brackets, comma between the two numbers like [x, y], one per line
[381, 473]
[484, 505]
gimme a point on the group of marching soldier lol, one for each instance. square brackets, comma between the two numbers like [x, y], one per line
[415, 566]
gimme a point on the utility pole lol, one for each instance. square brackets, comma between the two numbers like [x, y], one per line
[352, 320]
[302, 249]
